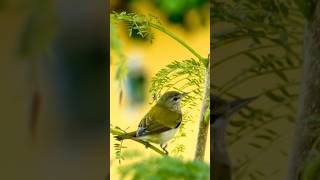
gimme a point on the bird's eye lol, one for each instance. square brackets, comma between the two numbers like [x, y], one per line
[175, 98]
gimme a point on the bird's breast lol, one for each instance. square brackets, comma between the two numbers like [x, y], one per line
[167, 135]
[161, 138]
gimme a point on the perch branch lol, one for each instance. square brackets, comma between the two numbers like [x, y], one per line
[203, 123]
[146, 144]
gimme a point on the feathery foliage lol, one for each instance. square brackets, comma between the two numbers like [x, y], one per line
[141, 23]
[118, 147]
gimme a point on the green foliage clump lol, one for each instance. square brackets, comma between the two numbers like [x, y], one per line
[179, 75]
[176, 10]
[166, 168]
[141, 24]
[311, 169]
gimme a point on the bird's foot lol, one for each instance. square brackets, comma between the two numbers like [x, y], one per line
[164, 148]
[166, 152]
[146, 144]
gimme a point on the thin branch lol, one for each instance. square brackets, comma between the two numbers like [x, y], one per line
[175, 37]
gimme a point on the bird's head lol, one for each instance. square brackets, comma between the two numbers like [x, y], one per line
[224, 109]
[172, 100]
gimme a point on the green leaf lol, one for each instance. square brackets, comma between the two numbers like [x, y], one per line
[274, 97]
[255, 145]
[264, 137]
[253, 57]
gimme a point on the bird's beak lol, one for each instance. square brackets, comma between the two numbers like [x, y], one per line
[238, 104]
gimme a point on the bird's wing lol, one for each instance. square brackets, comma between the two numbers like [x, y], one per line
[158, 120]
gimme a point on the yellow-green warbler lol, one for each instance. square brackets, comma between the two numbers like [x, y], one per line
[161, 123]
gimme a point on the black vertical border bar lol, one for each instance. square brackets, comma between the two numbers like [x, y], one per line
[107, 12]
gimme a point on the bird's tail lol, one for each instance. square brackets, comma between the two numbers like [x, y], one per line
[126, 136]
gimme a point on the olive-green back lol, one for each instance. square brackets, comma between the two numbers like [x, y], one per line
[160, 118]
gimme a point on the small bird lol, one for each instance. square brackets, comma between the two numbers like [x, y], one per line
[221, 112]
[161, 123]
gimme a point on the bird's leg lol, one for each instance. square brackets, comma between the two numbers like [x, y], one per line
[164, 146]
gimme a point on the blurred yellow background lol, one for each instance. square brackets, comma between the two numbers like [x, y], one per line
[154, 57]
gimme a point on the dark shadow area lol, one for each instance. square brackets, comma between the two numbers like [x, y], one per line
[54, 90]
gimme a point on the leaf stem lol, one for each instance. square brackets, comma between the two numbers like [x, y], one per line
[183, 43]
